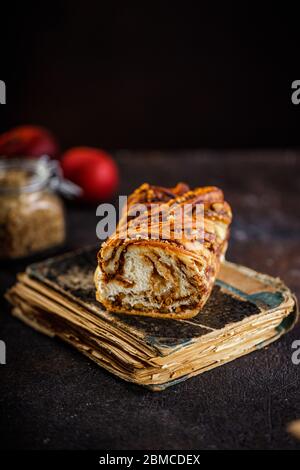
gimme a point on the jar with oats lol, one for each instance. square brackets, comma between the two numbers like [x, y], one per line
[31, 212]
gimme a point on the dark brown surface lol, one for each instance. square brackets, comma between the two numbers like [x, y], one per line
[52, 397]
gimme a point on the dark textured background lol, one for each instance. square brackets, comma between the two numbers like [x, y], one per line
[54, 398]
[153, 75]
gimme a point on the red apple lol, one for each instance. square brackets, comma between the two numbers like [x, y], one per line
[94, 170]
[74, 159]
[31, 141]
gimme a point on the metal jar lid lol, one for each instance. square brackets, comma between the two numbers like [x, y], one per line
[41, 173]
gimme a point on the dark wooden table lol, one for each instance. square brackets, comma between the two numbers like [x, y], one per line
[52, 397]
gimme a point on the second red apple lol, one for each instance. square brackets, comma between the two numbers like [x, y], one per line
[94, 170]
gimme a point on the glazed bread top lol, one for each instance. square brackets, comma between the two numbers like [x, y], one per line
[137, 224]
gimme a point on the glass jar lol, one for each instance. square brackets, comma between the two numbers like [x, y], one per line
[31, 213]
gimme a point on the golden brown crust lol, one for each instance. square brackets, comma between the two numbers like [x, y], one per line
[196, 253]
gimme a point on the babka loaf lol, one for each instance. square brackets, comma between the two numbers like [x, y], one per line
[165, 254]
